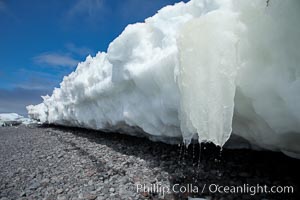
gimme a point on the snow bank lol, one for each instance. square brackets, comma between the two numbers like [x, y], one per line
[13, 119]
[202, 69]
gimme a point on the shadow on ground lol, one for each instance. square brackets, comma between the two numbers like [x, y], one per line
[245, 168]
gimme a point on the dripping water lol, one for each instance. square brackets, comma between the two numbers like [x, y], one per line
[193, 156]
[220, 158]
[185, 154]
[193, 159]
[197, 174]
[180, 153]
[199, 158]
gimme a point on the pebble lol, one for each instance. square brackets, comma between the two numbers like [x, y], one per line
[45, 181]
[244, 174]
[61, 197]
[22, 194]
[69, 164]
[59, 191]
[112, 190]
[91, 197]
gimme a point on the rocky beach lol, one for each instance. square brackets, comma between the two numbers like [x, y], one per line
[51, 162]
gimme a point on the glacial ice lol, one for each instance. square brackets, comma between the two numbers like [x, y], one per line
[202, 70]
[12, 119]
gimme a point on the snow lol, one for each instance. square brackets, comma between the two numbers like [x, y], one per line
[199, 70]
[10, 119]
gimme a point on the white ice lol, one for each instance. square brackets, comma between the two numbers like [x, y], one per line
[8, 119]
[205, 69]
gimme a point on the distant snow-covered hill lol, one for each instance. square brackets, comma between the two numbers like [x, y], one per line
[13, 119]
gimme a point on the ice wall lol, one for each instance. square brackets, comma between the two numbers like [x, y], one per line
[203, 69]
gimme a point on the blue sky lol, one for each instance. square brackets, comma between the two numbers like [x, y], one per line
[42, 41]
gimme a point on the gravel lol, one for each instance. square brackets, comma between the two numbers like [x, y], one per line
[50, 162]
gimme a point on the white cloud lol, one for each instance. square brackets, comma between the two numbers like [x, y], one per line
[5, 11]
[2, 6]
[82, 51]
[56, 60]
[39, 80]
[86, 8]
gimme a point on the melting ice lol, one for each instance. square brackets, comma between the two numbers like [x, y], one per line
[202, 70]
